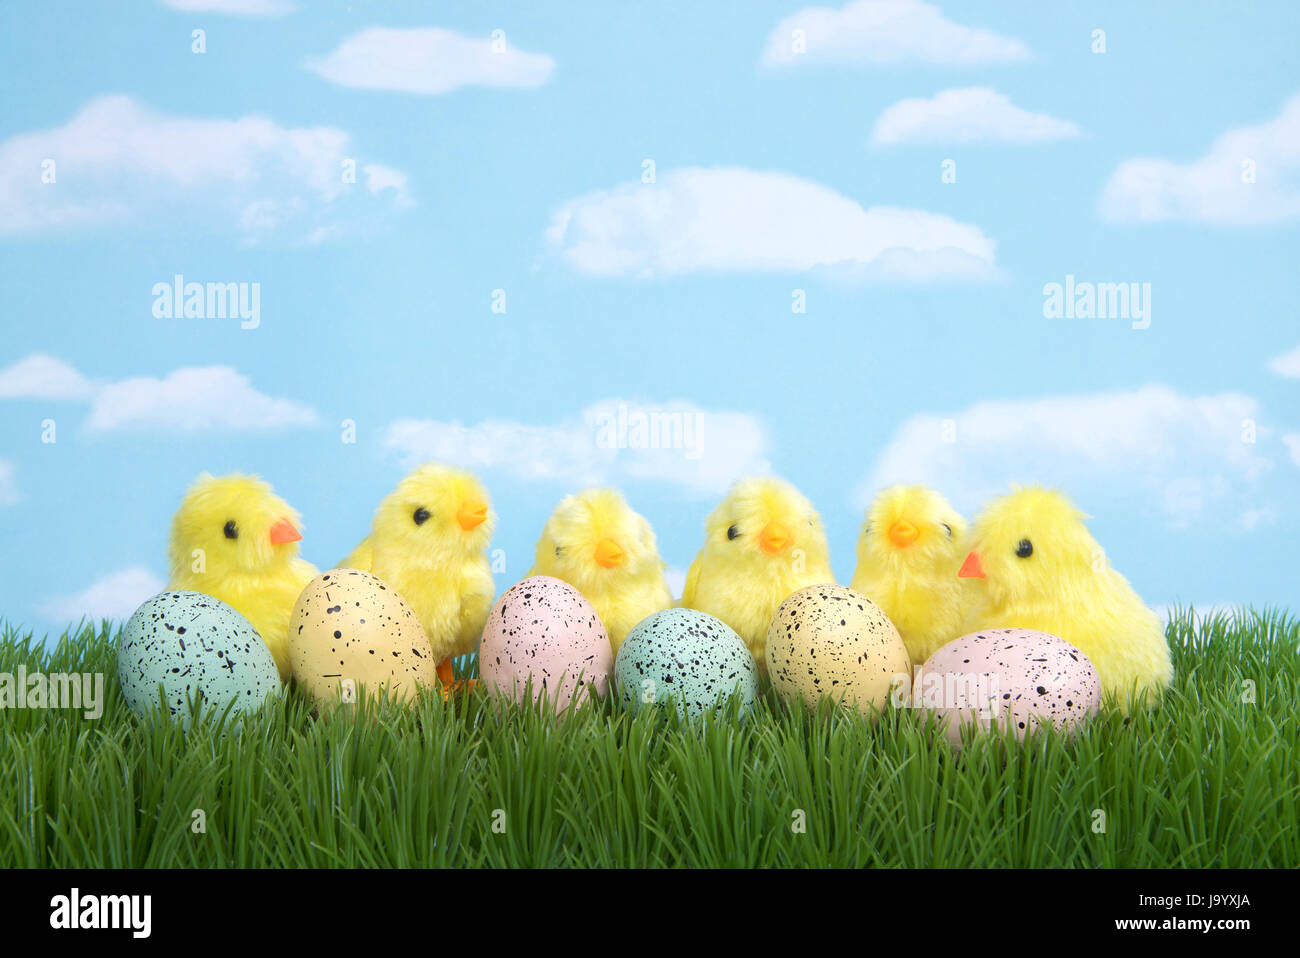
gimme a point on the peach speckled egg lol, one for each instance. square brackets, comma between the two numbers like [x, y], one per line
[1033, 676]
[830, 640]
[544, 630]
[351, 633]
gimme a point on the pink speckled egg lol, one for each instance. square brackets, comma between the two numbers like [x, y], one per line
[544, 630]
[1031, 676]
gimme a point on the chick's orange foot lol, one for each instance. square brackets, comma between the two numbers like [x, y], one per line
[450, 684]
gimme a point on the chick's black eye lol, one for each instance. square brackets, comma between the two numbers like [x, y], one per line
[1024, 548]
[231, 530]
[948, 529]
[733, 532]
[421, 516]
[558, 550]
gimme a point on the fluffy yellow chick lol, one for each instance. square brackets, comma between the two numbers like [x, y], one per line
[235, 539]
[909, 551]
[429, 540]
[597, 544]
[763, 542]
[1040, 568]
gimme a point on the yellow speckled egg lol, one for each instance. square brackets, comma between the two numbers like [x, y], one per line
[351, 633]
[830, 640]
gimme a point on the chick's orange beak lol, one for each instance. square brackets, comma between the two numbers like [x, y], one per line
[774, 538]
[284, 531]
[902, 533]
[609, 554]
[472, 513]
[972, 568]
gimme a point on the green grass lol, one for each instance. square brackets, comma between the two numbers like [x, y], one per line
[1204, 780]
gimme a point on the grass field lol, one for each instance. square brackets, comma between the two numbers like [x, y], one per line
[1206, 780]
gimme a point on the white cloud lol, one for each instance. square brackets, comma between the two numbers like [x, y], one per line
[118, 162]
[1292, 441]
[1153, 444]
[1216, 189]
[970, 115]
[380, 178]
[1201, 611]
[189, 399]
[1255, 517]
[193, 399]
[731, 219]
[611, 440]
[115, 596]
[1287, 364]
[43, 377]
[324, 234]
[234, 8]
[885, 33]
[428, 60]
[676, 579]
[8, 483]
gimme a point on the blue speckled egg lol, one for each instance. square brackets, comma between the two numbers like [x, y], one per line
[192, 643]
[687, 657]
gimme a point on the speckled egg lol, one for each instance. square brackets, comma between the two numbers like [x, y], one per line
[351, 634]
[685, 657]
[193, 645]
[543, 630]
[827, 640]
[1036, 677]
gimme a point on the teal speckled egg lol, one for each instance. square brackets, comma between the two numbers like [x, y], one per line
[191, 643]
[687, 657]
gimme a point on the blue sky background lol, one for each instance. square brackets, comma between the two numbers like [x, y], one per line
[389, 316]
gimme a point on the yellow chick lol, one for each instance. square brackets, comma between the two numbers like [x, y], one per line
[429, 540]
[235, 539]
[597, 544]
[1040, 568]
[909, 550]
[763, 542]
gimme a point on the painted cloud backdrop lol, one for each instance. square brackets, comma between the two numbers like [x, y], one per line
[658, 247]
